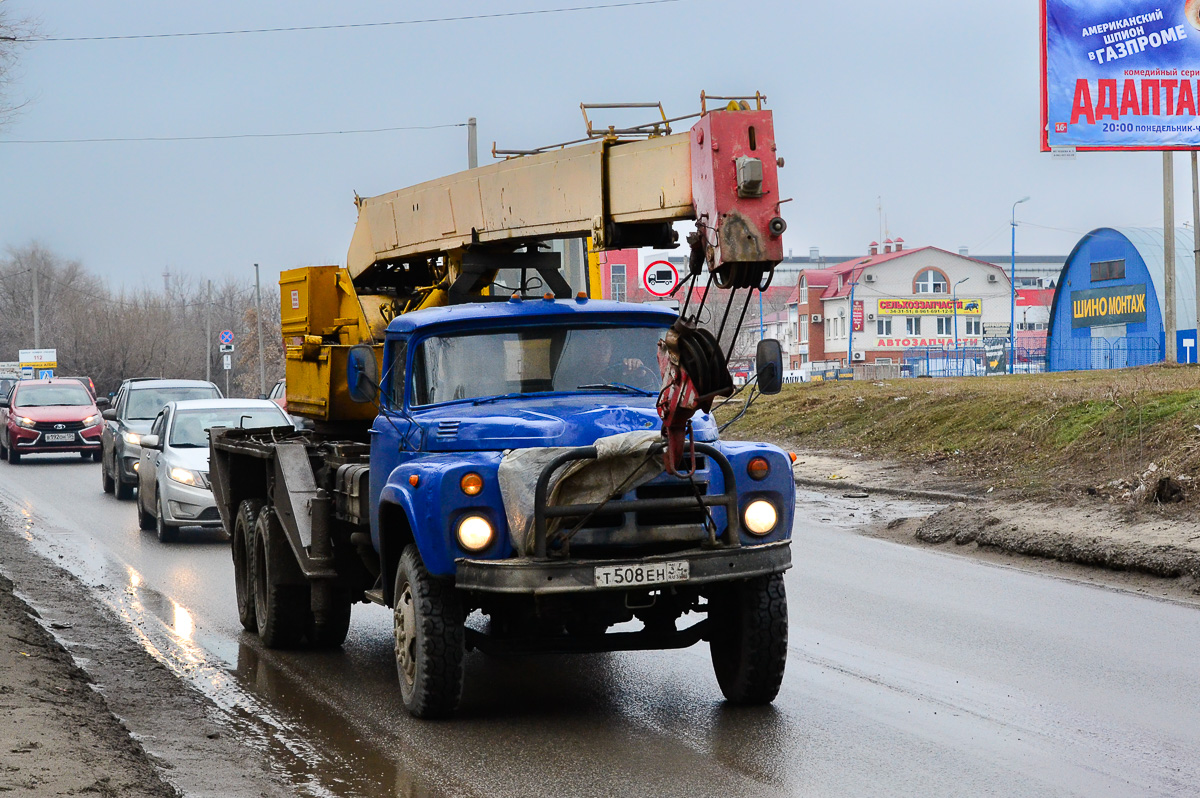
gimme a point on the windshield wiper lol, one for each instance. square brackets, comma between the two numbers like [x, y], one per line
[614, 386]
[485, 400]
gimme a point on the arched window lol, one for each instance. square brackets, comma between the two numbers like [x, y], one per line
[931, 281]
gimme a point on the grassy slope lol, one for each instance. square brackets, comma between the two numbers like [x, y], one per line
[1039, 433]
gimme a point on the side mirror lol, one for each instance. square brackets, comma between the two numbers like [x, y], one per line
[102, 402]
[109, 414]
[768, 364]
[151, 442]
[362, 373]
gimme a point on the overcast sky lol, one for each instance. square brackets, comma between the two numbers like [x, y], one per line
[930, 104]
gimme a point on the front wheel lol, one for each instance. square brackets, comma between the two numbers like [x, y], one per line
[14, 456]
[167, 533]
[146, 520]
[748, 641]
[124, 489]
[427, 622]
[106, 481]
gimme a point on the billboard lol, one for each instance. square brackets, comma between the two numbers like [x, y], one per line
[1120, 74]
[929, 307]
[1100, 307]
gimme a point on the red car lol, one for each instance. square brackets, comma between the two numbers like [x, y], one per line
[56, 415]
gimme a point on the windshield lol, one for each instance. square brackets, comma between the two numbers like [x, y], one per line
[53, 396]
[472, 366]
[145, 403]
[190, 428]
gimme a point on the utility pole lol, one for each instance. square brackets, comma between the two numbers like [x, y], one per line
[37, 323]
[1169, 252]
[472, 145]
[262, 361]
[208, 336]
[1196, 244]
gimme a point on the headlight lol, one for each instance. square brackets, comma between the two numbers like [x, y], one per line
[475, 533]
[25, 422]
[132, 437]
[185, 476]
[91, 421]
[760, 517]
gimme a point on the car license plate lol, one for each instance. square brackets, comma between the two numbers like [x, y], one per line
[60, 437]
[649, 574]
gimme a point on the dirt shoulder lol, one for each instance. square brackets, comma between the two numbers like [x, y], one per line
[1108, 531]
[57, 735]
[91, 711]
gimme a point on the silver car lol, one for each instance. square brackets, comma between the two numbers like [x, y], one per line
[172, 473]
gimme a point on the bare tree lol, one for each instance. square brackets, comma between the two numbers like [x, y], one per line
[15, 34]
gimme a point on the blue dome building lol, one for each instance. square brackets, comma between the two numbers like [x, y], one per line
[1108, 305]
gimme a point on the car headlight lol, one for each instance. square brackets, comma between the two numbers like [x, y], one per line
[760, 517]
[185, 476]
[91, 421]
[475, 533]
[132, 437]
[25, 422]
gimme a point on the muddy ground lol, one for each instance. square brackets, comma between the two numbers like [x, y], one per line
[1112, 531]
[88, 711]
[57, 735]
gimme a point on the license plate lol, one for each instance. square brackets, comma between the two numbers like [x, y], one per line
[650, 574]
[60, 437]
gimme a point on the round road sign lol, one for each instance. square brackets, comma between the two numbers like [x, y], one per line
[226, 336]
[660, 278]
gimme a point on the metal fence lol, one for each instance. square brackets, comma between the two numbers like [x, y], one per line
[1105, 353]
[1070, 355]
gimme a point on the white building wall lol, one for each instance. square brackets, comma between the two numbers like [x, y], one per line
[985, 284]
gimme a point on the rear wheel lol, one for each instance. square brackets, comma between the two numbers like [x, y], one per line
[167, 533]
[281, 610]
[427, 624]
[749, 638]
[243, 574]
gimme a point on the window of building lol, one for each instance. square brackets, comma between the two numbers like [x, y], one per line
[945, 325]
[804, 329]
[931, 281]
[883, 327]
[616, 284]
[912, 325]
[1108, 270]
[884, 360]
[974, 326]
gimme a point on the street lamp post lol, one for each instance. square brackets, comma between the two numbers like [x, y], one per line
[1012, 314]
[954, 303]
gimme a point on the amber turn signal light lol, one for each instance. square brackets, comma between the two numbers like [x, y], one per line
[413, 480]
[758, 468]
[471, 484]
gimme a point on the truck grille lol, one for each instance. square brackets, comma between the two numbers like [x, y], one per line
[671, 490]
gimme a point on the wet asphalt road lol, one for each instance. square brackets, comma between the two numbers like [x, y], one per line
[910, 673]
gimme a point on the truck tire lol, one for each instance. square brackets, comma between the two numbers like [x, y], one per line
[330, 632]
[280, 610]
[427, 623]
[243, 575]
[748, 641]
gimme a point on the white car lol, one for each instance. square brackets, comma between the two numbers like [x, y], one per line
[173, 489]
